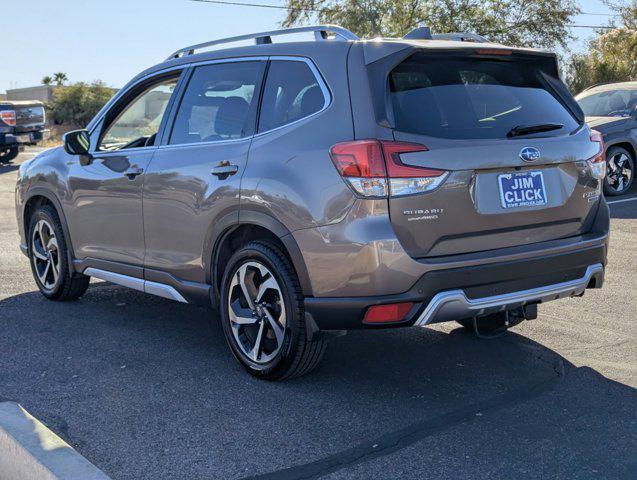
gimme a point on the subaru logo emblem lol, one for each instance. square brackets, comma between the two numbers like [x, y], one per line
[529, 154]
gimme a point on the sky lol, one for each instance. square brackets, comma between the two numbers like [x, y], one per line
[113, 40]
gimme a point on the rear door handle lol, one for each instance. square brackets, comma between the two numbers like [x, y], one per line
[132, 172]
[224, 169]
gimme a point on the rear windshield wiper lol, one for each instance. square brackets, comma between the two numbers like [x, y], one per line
[527, 129]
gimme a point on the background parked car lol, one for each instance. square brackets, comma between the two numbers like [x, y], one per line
[21, 123]
[612, 110]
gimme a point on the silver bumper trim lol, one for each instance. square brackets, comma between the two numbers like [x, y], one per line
[454, 304]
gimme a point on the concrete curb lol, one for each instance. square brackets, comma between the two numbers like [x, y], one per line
[30, 451]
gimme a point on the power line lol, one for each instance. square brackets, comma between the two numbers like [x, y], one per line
[259, 5]
[319, 10]
[601, 27]
[599, 14]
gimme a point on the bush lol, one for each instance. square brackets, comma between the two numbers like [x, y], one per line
[77, 104]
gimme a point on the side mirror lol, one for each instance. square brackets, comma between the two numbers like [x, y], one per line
[76, 142]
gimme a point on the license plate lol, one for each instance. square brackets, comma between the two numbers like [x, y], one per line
[23, 138]
[524, 189]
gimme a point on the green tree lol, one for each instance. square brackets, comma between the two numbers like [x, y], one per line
[538, 23]
[47, 80]
[77, 104]
[60, 78]
[611, 56]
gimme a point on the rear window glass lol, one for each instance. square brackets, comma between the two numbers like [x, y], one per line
[464, 98]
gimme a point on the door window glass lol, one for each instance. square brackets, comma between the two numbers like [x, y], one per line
[138, 123]
[291, 92]
[218, 103]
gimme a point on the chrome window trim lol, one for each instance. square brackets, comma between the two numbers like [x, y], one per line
[203, 63]
[257, 58]
[102, 153]
[327, 95]
[117, 97]
[169, 146]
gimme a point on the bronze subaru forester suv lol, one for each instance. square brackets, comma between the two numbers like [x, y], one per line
[312, 187]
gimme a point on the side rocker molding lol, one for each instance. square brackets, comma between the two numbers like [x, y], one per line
[146, 280]
[154, 288]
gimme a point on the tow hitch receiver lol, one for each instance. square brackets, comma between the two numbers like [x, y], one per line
[498, 323]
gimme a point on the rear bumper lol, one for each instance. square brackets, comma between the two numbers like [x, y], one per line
[26, 138]
[455, 304]
[465, 292]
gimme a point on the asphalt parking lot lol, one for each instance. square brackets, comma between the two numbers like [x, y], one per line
[146, 388]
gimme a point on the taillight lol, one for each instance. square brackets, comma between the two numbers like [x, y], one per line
[8, 117]
[598, 162]
[392, 312]
[374, 169]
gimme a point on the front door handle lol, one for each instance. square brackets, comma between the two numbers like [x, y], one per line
[132, 172]
[224, 169]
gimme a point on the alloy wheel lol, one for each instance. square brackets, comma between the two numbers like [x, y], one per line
[620, 172]
[257, 312]
[45, 254]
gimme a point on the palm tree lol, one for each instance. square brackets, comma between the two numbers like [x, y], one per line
[47, 80]
[60, 78]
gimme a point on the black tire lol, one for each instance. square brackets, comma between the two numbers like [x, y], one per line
[68, 285]
[615, 155]
[8, 154]
[297, 354]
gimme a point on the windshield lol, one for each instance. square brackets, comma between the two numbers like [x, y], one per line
[466, 97]
[611, 103]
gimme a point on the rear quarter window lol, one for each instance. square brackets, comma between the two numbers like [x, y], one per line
[292, 92]
[472, 98]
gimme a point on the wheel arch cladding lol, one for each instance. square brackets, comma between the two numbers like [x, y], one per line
[257, 226]
[37, 197]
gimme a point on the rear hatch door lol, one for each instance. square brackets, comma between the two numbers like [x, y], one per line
[514, 148]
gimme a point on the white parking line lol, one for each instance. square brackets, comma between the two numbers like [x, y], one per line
[621, 201]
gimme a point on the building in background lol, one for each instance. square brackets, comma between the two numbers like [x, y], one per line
[43, 93]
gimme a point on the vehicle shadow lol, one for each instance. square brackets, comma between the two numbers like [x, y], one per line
[624, 210]
[147, 388]
[8, 167]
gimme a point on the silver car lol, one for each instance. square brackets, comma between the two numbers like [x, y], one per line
[312, 187]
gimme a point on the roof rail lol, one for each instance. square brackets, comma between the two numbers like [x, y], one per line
[321, 32]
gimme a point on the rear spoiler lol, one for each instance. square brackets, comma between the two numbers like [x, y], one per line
[374, 51]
